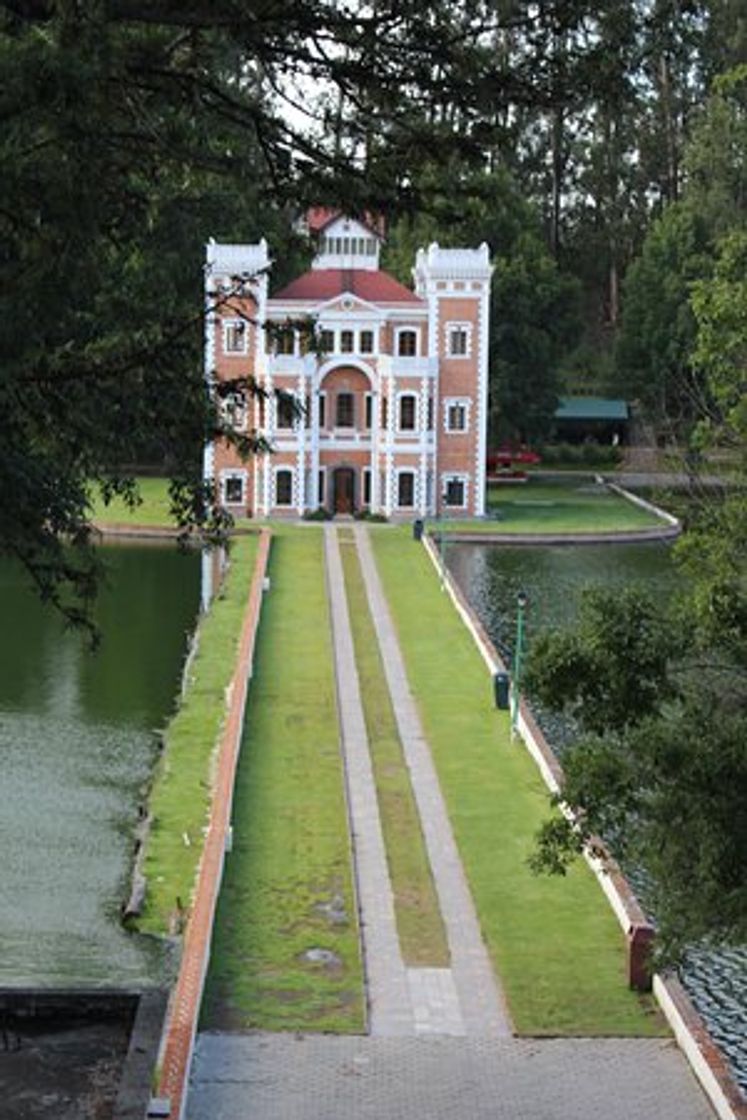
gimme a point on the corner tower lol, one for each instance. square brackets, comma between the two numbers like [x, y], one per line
[455, 283]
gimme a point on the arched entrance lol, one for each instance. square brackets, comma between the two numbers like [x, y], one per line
[343, 490]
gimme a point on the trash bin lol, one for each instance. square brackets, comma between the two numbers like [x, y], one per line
[502, 690]
[417, 529]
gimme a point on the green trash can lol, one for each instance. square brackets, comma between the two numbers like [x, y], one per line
[502, 690]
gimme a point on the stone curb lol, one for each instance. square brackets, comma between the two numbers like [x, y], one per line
[181, 1025]
[703, 1056]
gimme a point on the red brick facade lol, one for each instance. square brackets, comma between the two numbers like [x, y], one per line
[390, 406]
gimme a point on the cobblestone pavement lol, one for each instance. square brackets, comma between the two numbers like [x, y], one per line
[289, 1077]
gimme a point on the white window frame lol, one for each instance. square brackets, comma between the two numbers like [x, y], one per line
[283, 505]
[453, 329]
[359, 342]
[416, 419]
[398, 331]
[232, 324]
[414, 475]
[227, 476]
[457, 402]
[234, 410]
[294, 426]
[454, 476]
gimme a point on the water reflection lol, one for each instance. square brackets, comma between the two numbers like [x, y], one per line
[555, 578]
[76, 752]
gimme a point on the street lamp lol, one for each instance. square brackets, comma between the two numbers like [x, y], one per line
[442, 541]
[521, 602]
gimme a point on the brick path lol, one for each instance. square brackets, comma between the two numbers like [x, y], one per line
[284, 1077]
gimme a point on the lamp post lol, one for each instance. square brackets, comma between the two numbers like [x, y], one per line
[442, 542]
[521, 602]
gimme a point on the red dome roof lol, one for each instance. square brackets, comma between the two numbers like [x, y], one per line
[326, 283]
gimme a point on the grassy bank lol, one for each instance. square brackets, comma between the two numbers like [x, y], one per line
[541, 507]
[555, 943]
[287, 889]
[153, 508]
[419, 925]
[181, 794]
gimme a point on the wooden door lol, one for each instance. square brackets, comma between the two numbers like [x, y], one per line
[344, 490]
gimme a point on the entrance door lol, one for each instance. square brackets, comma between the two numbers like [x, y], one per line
[344, 490]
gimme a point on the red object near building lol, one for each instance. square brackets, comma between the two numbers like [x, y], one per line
[511, 461]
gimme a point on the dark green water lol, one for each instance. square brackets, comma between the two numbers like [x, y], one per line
[77, 746]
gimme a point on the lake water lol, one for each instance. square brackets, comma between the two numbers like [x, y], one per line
[554, 578]
[78, 741]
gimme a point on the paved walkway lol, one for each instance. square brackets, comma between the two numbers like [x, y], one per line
[285, 1077]
[483, 1010]
[407, 1067]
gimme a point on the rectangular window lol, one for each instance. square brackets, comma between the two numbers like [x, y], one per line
[320, 488]
[407, 344]
[345, 411]
[407, 413]
[347, 342]
[285, 341]
[283, 487]
[456, 418]
[233, 490]
[384, 412]
[405, 489]
[307, 412]
[369, 411]
[458, 346]
[367, 486]
[233, 410]
[235, 336]
[430, 414]
[454, 493]
[286, 410]
[327, 342]
[367, 342]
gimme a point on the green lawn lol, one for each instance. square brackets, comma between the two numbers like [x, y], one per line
[152, 510]
[182, 789]
[556, 944]
[542, 507]
[288, 886]
[419, 925]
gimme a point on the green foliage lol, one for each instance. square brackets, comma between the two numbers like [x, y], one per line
[613, 669]
[659, 767]
[653, 357]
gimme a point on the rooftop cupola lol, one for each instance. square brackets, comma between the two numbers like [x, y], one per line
[346, 243]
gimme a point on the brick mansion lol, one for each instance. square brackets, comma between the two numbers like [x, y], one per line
[391, 412]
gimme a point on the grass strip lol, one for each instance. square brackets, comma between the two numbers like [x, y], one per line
[535, 507]
[555, 942]
[182, 790]
[285, 953]
[153, 508]
[421, 931]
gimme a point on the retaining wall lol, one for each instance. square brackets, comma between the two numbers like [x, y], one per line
[184, 1007]
[703, 1055]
